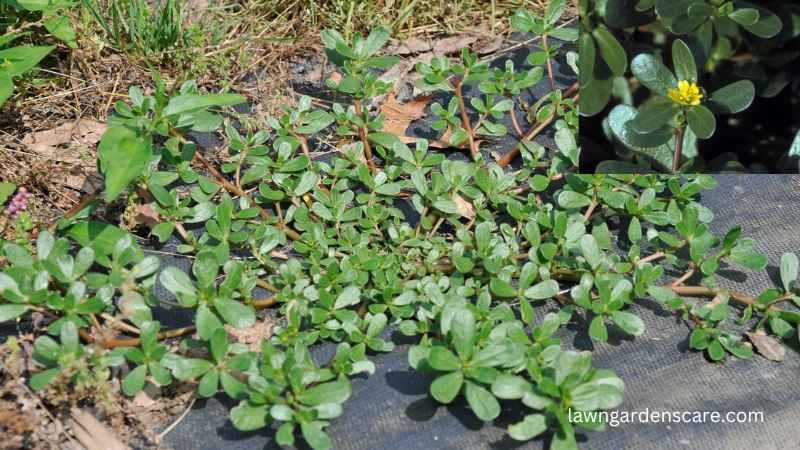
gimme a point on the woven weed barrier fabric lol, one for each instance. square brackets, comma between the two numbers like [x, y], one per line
[391, 410]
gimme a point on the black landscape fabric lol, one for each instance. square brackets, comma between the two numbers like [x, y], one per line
[392, 410]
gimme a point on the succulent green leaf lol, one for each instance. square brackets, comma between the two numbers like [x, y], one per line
[654, 115]
[788, 269]
[733, 98]
[701, 121]
[445, 388]
[611, 50]
[683, 60]
[124, 154]
[653, 74]
[530, 427]
[482, 402]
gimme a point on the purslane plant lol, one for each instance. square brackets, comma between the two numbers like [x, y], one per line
[679, 102]
[290, 388]
[463, 268]
[356, 58]
[725, 53]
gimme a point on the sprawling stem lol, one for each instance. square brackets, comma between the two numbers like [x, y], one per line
[362, 132]
[650, 258]
[118, 323]
[303, 143]
[738, 297]
[168, 334]
[546, 48]
[266, 285]
[77, 208]
[134, 342]
[506, 159]
[182, 232]
[515, 122]
[702, 291]
[590, 210]
[686, 275]
[676, 159]
[465, 122]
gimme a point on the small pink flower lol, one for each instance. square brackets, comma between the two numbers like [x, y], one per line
[19, 203]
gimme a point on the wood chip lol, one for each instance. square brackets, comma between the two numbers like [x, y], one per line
[83, 132]
[453, 44]
[254, 335]
[767, 346]
[147, 215]
[142, 401]
[464, 207]
[75, 182]
[443, 46]
[92, 434]
[492, 46]
[408, 47]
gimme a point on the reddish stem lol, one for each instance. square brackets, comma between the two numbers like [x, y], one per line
[465, 122]
[676, 158]
[303, 143]
[236, 190]
[168, 334]
[686, 275]
[362, 131]
[515, 122]
[590, 210]
[506, 159]
[702, 291]
[650, 258]
[546, 49]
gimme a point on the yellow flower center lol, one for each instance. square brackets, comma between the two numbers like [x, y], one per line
[687, 94]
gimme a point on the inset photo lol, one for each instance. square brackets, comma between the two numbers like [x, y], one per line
[689, 86]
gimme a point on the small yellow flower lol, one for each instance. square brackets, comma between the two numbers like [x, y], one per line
[687, 94]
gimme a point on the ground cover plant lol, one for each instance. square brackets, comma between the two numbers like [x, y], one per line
[481, 262]
[690, 85]
[266, 49]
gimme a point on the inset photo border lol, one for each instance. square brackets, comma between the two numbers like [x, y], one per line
[690, 86]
